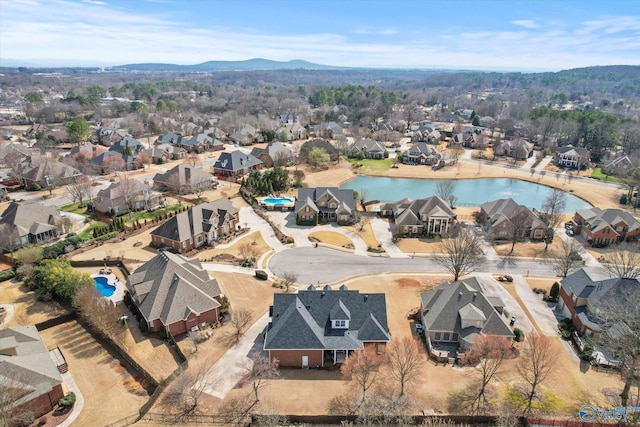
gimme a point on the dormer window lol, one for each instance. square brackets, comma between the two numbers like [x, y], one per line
[340, 324]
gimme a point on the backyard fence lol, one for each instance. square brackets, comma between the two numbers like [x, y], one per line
[50, 323]
[126, 421]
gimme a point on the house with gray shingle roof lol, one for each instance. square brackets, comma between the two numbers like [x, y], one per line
[367, 148]
[201, 142]
[174, 293]
[50, 173]
[135, 195]
[455, 314]
[323, 327]
[332, 151]
[519, 148]
[585, 292]
[325, 204]
[431, 215]
[602, 227]
[30, 380]
[422, 154]
[30, 223]
[499, 217]
[275, 153]
[569, 156]
[236, 164]
[128, 146]
[184, 179]
[199, 225]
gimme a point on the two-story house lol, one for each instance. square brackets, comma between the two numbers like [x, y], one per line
[602, 227]
[199, 225]
[503, 217]
[422, 154]
[431, 215]
[325, 204]
[572, 157]
[367, 148]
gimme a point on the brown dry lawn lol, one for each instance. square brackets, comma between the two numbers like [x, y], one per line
[542, 282]
[27, 309]
[110, 391]
[331, 238]
[365, 234]
[527, 249]
[314, 389]
[260, 247]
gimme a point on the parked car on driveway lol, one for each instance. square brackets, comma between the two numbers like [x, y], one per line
[419, 328]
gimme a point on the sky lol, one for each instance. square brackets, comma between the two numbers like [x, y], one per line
[429, 34]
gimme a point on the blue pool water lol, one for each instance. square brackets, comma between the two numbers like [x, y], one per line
[105, 288]
[470, 192]
[277, 201]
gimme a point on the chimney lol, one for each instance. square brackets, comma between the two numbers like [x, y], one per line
[474, 296]
[459, 296]
[366, 297]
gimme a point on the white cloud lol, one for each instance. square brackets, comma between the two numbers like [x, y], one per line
[526, 23]
[96, 2]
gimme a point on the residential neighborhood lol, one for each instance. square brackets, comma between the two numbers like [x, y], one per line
[246, 257]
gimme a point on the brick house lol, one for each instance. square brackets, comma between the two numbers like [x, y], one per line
[431, 215]
[198, 226]
[500, 217]
[27, 368]
[323, 327]
[325, 204]
[236, 164]
[174, 294]
[584, 292]
[602, 227]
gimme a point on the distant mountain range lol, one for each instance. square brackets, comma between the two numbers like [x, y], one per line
[248, 65]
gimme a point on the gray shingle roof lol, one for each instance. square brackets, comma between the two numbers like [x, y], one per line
[343, 197]
[182, 175]
[194, 220]
[21, 218]
[444, 306]
[236, 160]
[169, 287]
[598, 219]
[431, 207]
[31, 368]
[303, 320]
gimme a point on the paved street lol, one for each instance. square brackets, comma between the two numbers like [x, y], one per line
[320, 265]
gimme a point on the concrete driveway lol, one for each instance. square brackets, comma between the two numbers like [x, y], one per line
[382, 231]
[223, 376]
[542, 312]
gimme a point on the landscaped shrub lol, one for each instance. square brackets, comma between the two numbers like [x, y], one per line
[35, 187]
[519, 335]
[623, 199]
[555, 290]
[7, 275]
[68, 400]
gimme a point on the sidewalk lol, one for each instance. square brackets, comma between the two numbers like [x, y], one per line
[79, 405]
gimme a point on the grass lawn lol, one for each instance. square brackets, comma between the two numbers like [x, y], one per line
[372, 166]
[331, 238]
[597, 174]
[75, 208]
[260, 247]
[366, 234]
[88, 232]
[142, 215]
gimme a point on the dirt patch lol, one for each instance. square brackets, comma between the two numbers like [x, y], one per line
[407, 283]
[27, 309]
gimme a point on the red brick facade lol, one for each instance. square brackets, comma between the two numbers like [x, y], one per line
[293, 358]
[42, 404]
[191, 321]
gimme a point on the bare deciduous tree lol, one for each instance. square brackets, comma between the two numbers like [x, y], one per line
[624, 261]
[566, 258]
[288, 279]
[192, 159]
[80, 189]
[240, 319]
[12, 388]
[405, 361]
[551, 213]
[535, 365]
[142, 160]
[184, 393]
[364, 369]
[100, 313]
[260, 369]
[519, 223]
[445, 190]
[487, 355]
[248, 252]
[460, 254]
[127, 189]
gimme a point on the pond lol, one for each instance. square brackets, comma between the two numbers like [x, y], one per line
[469, 192]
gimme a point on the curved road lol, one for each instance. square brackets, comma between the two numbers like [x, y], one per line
[321, 265]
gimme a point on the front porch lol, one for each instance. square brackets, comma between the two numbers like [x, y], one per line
[336, 357]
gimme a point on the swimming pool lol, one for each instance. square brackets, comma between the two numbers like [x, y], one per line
[277, 200]
[102, 284]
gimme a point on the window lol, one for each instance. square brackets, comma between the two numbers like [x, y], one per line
[306, 209]
[447, 336]
[340, 324]
[380, 348]
[437, 336]
[199, 239]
